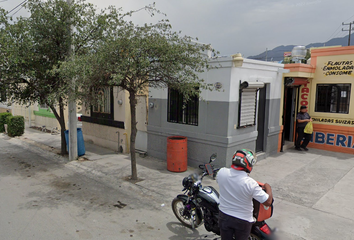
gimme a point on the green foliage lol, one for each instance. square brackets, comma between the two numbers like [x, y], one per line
[31, 47]
[3, 120]
[15, 126]
[135, 57]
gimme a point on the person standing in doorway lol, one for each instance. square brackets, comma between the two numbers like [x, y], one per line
[302, 119]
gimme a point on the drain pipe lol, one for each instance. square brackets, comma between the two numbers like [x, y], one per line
[118, 141]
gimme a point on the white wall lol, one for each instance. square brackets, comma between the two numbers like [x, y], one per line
[230, 76]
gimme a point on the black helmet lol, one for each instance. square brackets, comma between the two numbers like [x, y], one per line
[188, 182]
[244, 159]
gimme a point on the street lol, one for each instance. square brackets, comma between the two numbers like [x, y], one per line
[43, 199]
[43, 196]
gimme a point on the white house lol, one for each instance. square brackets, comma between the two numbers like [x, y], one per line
[241, 112]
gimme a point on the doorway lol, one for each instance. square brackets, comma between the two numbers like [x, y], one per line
[261, 119]
[289, 113]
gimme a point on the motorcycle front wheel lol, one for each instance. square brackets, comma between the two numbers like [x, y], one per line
[186, 214]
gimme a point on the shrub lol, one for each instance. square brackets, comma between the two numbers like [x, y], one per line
[3, 120]
[15, 126]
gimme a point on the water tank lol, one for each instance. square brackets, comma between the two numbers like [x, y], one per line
[299, 52]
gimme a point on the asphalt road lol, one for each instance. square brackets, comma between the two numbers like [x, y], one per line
[41, 198]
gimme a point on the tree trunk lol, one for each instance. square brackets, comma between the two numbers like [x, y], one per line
[63, 128]
[61, 120]
[133, 102]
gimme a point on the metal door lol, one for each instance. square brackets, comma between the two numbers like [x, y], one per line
[289, 113]
[261, 119]
[141, 117]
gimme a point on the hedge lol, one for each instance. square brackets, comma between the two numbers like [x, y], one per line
[15, 126]
[3, 120]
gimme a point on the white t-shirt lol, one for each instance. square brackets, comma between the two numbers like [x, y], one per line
[237, 190]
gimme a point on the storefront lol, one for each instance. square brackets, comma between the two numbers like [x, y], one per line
[325, 87]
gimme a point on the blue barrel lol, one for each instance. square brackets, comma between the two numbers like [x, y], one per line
[80, 142]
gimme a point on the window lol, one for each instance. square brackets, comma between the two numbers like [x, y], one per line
[180, 112]
[3, 97]
[247, 107]
[333, 98]
[104, 107]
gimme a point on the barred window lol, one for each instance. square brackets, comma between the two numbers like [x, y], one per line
[3, 97]
[104, 107]
[333, 98]
[181, 112]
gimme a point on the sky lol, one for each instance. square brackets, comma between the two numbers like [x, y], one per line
[239, 26]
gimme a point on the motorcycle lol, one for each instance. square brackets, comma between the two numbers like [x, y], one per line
[199, 204]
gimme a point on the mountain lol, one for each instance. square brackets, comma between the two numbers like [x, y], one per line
[277, 54]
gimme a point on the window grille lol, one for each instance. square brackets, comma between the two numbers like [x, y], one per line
[104, 107]
[333, 98]
[181, 112]
[104, 100]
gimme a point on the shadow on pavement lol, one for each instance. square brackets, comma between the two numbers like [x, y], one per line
[95, 149]
[183, 232]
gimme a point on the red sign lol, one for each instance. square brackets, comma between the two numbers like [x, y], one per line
[304, 96]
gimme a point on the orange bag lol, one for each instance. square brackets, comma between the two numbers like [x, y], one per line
[260, 211]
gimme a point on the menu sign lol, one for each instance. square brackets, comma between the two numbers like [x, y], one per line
[338, 68]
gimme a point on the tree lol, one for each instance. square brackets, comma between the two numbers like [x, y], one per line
[136, 57]
[32, 47]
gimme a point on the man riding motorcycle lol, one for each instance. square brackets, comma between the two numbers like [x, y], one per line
[237, 190]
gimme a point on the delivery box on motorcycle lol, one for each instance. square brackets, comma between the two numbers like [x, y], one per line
[260, 211]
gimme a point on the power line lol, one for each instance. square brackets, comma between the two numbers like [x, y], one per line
[350, 30]
[17, 11]
[349, 18]
[335, 33]
[21, 4]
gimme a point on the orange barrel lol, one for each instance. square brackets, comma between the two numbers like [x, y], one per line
[177, 154]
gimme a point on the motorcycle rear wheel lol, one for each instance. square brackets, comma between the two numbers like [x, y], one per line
[191, 219]
[253, 237]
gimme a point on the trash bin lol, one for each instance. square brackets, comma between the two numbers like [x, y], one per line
[177, 154]
[80, 142]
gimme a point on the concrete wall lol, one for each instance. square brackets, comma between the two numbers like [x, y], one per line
[104, 136]
[36, 120]
[5, 108]
[112, 137]
[218, 114]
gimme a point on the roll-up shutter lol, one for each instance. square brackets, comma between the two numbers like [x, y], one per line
[248, 103]
[248, 107]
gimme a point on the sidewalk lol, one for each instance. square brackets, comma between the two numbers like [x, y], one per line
[312, 190]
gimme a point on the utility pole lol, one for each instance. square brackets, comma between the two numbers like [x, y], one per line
[350, 30]
[73, 155]
[266, 54]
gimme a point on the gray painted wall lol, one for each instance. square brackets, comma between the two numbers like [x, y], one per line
[215, 132]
